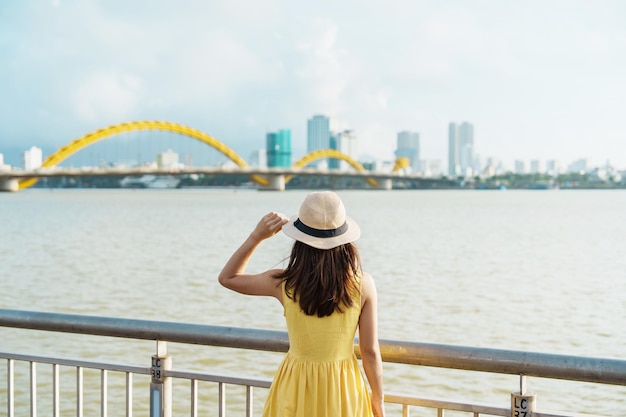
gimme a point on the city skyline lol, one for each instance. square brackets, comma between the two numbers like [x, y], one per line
[463, 160]
[553, 92]
[460, 151]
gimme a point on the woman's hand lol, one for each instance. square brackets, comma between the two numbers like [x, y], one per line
[268, 226]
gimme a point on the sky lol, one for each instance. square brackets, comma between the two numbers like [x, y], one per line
[539, 79]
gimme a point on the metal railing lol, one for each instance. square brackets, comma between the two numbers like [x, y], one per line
[523, 364]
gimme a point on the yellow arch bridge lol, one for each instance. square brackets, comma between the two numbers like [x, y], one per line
[90, 138]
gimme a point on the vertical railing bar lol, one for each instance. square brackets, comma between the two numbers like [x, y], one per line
[405, 410]
[248, 401]
[129, 394]
[222, 400]
[103, 393]
[79, 391]
[440, 412]
[33, 389]
[194, 398]
[55, 390]
[10, 387]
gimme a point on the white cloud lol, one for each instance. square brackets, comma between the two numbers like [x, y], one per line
[322, 68]
[107, 96]
[530, 77]
[213, 66]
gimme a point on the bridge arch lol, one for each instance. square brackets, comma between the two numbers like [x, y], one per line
[100, 134]
[401, 163]
[331, 153]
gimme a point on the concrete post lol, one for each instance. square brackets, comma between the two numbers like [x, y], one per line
[9, 184]
[276, 183]
[161, 386]
[385, 184]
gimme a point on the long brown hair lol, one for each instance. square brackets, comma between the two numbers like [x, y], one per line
[322, 281]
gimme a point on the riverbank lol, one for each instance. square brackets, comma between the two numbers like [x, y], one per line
[504, 182]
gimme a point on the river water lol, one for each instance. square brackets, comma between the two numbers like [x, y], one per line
[540, 271]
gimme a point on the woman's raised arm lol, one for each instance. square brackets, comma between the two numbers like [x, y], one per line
[233, 275]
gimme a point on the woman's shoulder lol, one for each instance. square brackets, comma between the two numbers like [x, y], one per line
[365, 277]
[368, 288]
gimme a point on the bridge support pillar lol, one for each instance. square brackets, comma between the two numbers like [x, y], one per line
[385, 184]
[9, 184]
[276, 183]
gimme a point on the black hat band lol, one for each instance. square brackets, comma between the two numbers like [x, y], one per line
[322, 233]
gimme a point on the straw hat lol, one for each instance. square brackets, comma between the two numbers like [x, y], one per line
[322, 222]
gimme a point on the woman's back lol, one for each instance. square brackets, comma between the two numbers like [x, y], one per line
[328, 338]
[320, 375]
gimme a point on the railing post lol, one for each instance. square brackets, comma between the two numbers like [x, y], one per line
[522, 402]
[161, 386]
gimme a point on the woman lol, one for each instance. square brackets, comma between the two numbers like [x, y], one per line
[325, 296]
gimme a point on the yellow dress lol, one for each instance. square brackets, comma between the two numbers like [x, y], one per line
[320, 375]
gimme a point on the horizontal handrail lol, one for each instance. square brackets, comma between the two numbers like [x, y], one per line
[545, 365]
[575, 368]
[141, 370]
[447, 405]
[233, 337]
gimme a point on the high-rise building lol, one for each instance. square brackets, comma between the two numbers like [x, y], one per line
[581, 165]
[493, 166]
[3, 166]
[520, 167]
[335, 143]
[258, 158]
[553, 167]
[431, 167]
[466, 148]
[536, 167]
[461, 149]
[408, 146]
[278, 146]
[167, 159]
[33, 158]
[318, 133]
[344, 142]
[454, 169]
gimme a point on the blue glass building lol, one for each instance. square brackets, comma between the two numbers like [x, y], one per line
[279, 149]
